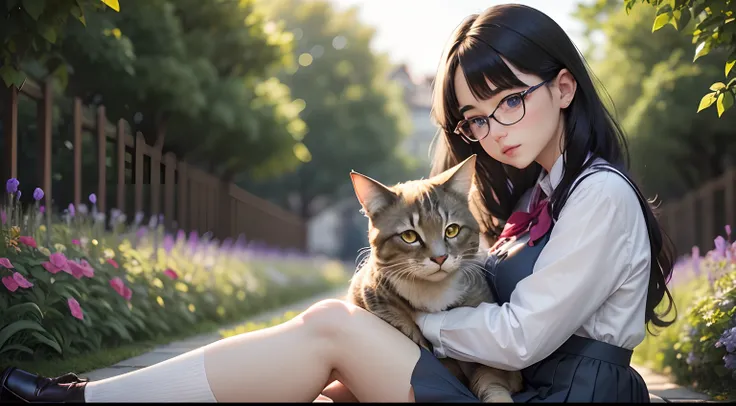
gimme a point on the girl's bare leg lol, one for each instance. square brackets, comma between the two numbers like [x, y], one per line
[293, 362]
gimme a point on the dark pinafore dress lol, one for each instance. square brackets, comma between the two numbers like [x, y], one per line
[581, 370]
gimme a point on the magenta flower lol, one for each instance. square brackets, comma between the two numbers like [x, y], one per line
[57, 262]
[42, 209]
[5, 263]
[113, 263]
[38, 194]
[21, 281]
[12, 283]
[75, 309]
[80, 269]
[76, 242]
[119, 286]
[28, 240]
[171, 274]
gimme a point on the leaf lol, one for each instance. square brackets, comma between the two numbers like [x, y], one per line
[113, 4]
[119, 328]
[717, 86]
[725, 101]
[661, 21]
[17, 347]
[20, 325]
[702, 50]
[11, 76]
[21, 309]
[78, 12]
[706, 101]
[730, 63]
[684, 19]
[34, 8]
[49, 341]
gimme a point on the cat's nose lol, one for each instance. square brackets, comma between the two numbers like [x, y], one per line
[438, 260]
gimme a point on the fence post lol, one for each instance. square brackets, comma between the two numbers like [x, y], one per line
[101, 159]
[169, 179]
[120, 144]
[140, 143]
[45, 117]
[155, 181]
[182, 203]
[77, 146]
[729, 178]
[10, 122]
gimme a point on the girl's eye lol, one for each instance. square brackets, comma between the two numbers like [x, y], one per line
[478, 122]
[512, 102]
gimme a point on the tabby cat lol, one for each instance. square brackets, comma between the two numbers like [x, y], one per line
[425, 257]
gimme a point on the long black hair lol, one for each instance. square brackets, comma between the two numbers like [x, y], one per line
[534, 44]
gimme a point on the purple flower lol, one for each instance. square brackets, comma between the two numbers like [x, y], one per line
[728, 231]
[728, 340]
[181, 235]
[42, 209]
[11, 186]
[37, 194]
[720, 243]
[18, 195]
[168, 243]
[138, 218]
[691, 359]
[141, 232]
[72, 211]
[93, 198]
[730, 361]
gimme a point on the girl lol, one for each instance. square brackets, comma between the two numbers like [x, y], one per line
[577, 271]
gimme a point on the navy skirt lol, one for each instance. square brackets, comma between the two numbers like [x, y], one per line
[581, 370]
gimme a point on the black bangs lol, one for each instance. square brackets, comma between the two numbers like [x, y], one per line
[481, 64]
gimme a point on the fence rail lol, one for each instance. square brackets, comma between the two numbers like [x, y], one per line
[188, 197]
[699, 216]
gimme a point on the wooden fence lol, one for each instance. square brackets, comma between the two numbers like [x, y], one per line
[188, 198]
[701, 215]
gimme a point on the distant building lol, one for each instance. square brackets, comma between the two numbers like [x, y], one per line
[340, 230]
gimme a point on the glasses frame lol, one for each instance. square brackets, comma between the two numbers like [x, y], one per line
[488, 118]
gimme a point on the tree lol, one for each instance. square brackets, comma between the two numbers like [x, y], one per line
[190, 76]
[33, 29]
[651, 82]
[355, 116]
[713, 31]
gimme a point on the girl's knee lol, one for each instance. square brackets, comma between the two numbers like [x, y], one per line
[330, 318]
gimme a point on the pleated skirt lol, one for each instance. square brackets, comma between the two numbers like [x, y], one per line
[581, 370]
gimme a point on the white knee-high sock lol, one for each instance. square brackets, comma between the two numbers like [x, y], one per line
[179, 379]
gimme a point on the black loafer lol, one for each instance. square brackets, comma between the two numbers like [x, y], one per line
[18, 386]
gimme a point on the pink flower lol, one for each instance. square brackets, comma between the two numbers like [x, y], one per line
[75, 309]
[10, 283]
[21, 281]
[76, 242]
[16, 281]
[5, 263]
[113, 263]
[171, 274]
[120, 288]
[79, 269]
[57, 262]
[29, 241]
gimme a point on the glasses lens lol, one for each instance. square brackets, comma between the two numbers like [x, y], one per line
[510, 110]
[475, 128]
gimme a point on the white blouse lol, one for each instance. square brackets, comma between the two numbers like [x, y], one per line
[591, 279]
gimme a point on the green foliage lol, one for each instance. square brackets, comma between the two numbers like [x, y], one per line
[651, 81]
[355, 117]
[714, 29]
[132, 285]
[33, 29]
[693, 350]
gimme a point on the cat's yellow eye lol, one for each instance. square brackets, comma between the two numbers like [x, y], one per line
[409, 236]
[452, 231]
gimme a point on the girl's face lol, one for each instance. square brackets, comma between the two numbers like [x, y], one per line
[537, 136]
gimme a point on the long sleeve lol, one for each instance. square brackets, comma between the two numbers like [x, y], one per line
[588, 257]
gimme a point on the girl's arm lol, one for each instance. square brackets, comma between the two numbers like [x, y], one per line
[589, 255]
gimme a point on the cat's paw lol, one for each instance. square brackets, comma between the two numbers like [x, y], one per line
[516, 382]
[496, 396]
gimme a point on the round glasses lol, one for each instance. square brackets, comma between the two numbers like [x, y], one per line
[510, 110]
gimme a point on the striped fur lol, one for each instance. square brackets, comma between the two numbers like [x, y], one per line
[398, 278]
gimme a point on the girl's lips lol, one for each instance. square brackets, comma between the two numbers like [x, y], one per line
[509, 150]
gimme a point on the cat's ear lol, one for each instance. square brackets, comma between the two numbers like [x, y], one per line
[372, 194]
[459, 178]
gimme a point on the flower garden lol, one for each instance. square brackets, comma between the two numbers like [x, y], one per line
[81, 283]
[699, 349]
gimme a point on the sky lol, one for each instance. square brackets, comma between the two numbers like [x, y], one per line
[415, 31]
